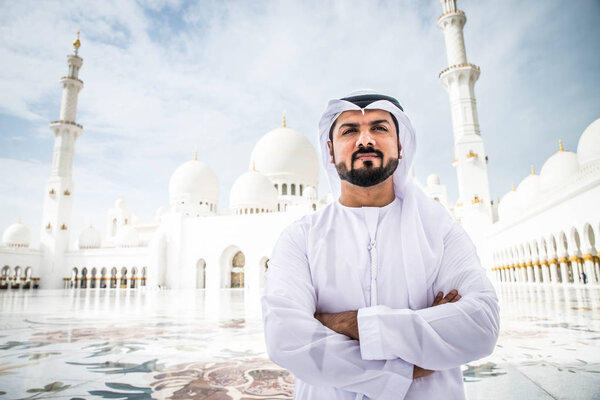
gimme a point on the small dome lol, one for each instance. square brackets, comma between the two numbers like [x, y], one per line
[128, 237]
[194, 181]
[588, 148]
[559, 169]
[120, 203]
[254, 190]
[310, 193]
[529, 189]
[89, 238]
[433, 180]
[16, 235]
[284, 152]
[508, 206]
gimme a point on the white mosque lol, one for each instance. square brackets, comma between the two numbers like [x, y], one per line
[541, 232]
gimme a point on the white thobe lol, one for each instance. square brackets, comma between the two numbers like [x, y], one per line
[342, 259]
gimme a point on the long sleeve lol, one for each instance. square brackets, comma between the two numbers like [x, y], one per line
[440, 337]
[300, 343]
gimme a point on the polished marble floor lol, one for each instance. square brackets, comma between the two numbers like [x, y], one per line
[143, 344]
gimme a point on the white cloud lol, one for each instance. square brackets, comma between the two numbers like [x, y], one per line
[162, 78]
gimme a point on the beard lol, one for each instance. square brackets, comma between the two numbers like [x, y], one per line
[368, 175]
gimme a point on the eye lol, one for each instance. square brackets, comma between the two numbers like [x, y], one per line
[347, 131]
[380, 128]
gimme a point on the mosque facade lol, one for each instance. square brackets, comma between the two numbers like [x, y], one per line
[541, 232]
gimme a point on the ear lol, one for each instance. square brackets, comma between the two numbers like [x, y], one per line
[330, 145]
[399, 149]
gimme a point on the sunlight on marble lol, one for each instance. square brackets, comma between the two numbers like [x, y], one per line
[143, 344]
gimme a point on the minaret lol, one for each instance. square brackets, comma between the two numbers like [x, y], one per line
[56, 220]
[473, 207]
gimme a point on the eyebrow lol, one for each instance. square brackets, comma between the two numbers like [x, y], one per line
[351, 125]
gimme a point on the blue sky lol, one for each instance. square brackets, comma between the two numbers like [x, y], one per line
[165, 77]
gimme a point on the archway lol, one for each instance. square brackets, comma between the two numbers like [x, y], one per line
[237, 270]
[93, 283]
[83, 284]
[226, 264]
[144, 270]
[123, 284]
[134, 278]
[74, 277]
[201, 274]
[113, 278]
[28, 272]
[103, 278]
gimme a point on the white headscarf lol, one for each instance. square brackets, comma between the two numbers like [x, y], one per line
[423, 222]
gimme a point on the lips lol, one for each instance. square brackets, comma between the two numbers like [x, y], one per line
[367, 156]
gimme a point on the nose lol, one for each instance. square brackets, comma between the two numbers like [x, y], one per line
[365, 139]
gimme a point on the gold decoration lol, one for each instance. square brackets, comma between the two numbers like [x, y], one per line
[253, 166]
[528, 263]
[562, 260]
[560, 146]
[574, 259]
[63, 227]
[552, 261]
[52, 191]
[588, 257]
[49, 226]
[283, 119]
[195, 155]
[76, 42]
[544, 262]
[532, 170]
[476, 200]
[472, 155]
[67, 193]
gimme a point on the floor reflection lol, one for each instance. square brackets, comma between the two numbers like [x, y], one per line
[138, 344]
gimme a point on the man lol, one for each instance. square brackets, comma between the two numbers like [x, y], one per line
[347, 292]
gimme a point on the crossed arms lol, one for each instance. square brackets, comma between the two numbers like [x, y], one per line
[392, 341]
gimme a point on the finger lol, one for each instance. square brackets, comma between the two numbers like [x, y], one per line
[449, 296]
[456, 298]
[437, 299]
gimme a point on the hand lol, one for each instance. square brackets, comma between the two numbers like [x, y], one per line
[451, 297]
[345, 323]
[419, 372]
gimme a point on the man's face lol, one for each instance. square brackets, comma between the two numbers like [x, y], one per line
[365, 148]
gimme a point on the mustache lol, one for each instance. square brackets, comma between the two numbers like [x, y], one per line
[363, 150]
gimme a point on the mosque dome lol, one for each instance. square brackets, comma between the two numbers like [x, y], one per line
[89, 238]
[529, 188]
[16, 235]
[120, 203]
[253, 190]
[284, 152]
[127, 237]
[310, 193]
[195, 181]
[433, 180]
[509, 205]
[588, 148]
[559, 168]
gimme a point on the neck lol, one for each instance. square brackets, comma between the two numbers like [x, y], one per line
[378, 195]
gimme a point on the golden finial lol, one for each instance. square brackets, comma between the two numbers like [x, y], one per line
[254, 165]
[283, 119]
[512, 187]
[195, 155]
[532, 170]
[76, 43]
[560, 146]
